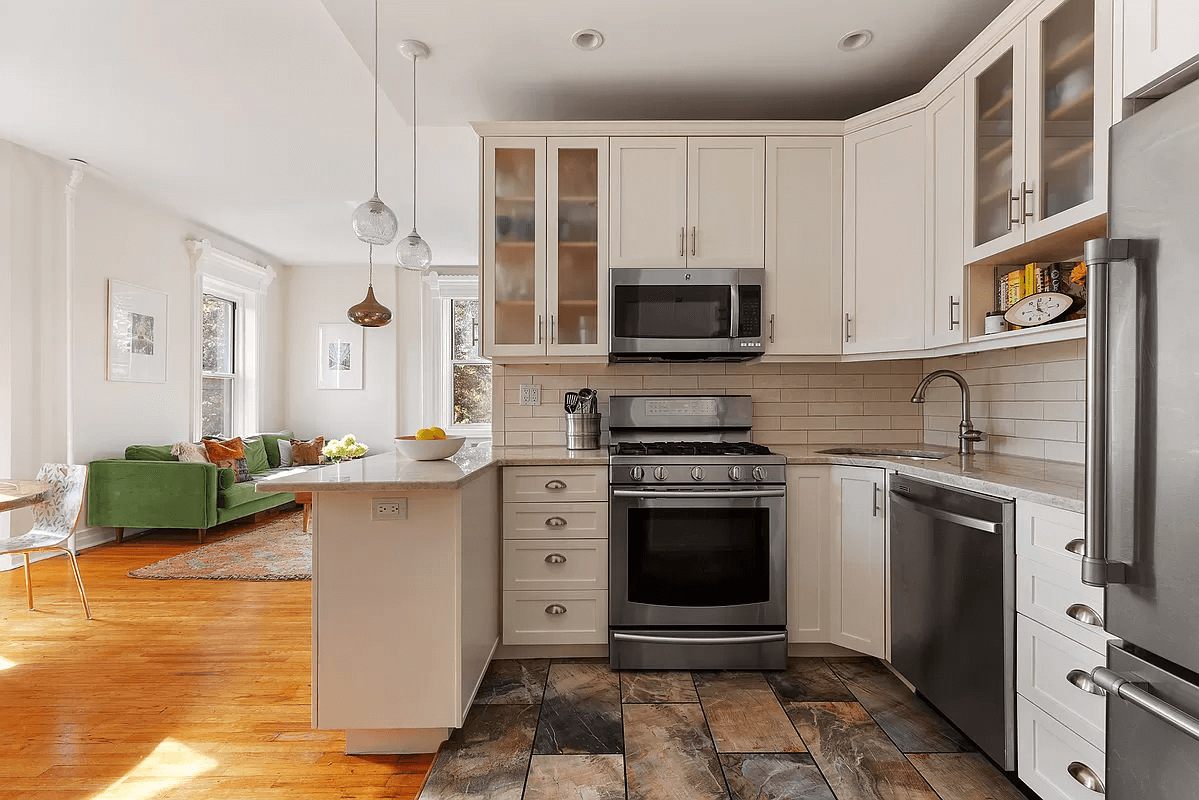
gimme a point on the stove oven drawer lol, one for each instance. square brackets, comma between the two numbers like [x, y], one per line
[561, 617]
[555, 564]
[556, 484]
[556, 520]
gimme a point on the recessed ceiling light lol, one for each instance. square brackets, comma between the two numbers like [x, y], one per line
[587, 39]
[855, 40]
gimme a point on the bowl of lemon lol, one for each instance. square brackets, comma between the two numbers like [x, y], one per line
[429, 444]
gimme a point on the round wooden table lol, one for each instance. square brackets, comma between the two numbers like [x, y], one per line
[18, 494]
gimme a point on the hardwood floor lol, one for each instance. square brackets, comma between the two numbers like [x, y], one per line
[177, 689]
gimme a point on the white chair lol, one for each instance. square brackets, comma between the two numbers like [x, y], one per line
[54, 521]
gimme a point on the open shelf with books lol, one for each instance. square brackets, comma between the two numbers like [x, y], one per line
[995, 288]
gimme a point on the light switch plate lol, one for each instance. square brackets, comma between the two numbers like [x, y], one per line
[389, 508]
[530, 394]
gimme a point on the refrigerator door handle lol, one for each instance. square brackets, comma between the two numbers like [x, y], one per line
[1118, 686]
[1099, 255]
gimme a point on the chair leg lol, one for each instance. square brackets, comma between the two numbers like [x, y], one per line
[307, 515]
[79, 582]
[120, 535]
[28, 581]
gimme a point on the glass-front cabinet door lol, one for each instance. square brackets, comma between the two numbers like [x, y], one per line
[577, 257]
[1069, 54]
[514, 246]
[995, 136]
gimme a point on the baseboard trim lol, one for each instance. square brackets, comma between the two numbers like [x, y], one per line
[507, 652]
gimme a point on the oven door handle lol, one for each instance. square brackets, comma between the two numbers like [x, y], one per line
[687, 494]
[641, 637]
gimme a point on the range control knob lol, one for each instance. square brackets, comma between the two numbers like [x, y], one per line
[734, 473]
[759, 473]
[636, 473]
[697, 473]
[661, 473]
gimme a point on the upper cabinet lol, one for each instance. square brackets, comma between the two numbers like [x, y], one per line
[545, 246]
[1036, 131]
[1161, 40]
[884, 207]
[803, 245]
[687, 201]
[944, 188]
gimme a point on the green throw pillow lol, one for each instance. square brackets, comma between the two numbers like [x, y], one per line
[256, 457]
[271, 440]
[149, 452]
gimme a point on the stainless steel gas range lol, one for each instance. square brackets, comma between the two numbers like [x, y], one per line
[698, 541]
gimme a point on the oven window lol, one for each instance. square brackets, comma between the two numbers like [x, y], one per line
[699, 557]
[672, 312]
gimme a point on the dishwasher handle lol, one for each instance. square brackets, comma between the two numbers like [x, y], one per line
[903, 501]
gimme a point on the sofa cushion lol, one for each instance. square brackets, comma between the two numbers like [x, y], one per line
[226, 450]
[307, 453]
[271, 440]
[225, 478]
[190, 452]
[149, 452]
[285, 459]
[256, 458]
[237, 494]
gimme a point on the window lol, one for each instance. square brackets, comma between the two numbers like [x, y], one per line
[218, 366]
[457, 379]
[470, 374]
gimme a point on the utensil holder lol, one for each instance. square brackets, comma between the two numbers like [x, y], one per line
[582, 431]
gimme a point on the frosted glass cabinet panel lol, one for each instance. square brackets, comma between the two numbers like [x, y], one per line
[577, 286]
[514, 244]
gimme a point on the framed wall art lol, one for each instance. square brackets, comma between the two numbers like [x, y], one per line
[339, 356]
[137, 333]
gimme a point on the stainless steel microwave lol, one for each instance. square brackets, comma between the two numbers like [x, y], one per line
[686, 314]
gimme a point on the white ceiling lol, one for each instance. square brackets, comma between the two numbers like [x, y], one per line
[253, 117]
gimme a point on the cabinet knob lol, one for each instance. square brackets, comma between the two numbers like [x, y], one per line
[1086, 776]
[1085, 614]
[555, 558]
[555, 522]
[555, 609]
[555, 486]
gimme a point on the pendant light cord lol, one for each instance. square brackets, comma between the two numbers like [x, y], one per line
[414, 60]
[376, 86]
[370, 259]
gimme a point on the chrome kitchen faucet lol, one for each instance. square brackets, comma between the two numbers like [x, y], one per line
[967, 433]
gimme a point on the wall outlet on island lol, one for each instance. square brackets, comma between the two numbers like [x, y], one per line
[389, 508]
[530, 394]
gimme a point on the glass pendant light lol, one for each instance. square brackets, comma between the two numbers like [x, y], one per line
[374, 222]
[370, 313]
[413, 252]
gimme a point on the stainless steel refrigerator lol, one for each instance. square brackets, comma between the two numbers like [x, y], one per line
[1142, 538]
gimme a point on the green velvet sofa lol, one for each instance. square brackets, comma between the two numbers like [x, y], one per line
[150, 488]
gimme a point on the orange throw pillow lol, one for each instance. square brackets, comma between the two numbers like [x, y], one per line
[228, 450]
[307, 453]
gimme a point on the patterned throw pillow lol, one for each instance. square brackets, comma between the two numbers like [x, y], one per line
[190, 452]
[240, 469]
[224, 451]
[307, 453]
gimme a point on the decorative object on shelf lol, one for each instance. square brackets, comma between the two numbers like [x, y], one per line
[414, 252]
[370, 313]
[374, 222]
[1043, 298]
[343, 449]
[994, 322]
[339, 355]
[137, 333]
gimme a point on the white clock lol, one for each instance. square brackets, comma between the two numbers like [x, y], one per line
[1039, 308]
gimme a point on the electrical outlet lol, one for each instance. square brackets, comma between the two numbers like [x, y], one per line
[389, 508]
[530, 394]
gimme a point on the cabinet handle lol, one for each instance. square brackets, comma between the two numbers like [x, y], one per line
[692, 240]
[1082, 679]
[540, 328]
[875, 498]
[555, 485]
[847, 326]
[1086, 776]
[683, 242]
[1076, 546]
[772, 328]
[558, 558]
[953, 323]
[555, 522]
[1014, 220]
[551, 329]
[1027, 193]
[555, 609]
[1084, 614]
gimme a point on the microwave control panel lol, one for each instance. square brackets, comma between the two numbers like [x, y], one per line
[749, 324]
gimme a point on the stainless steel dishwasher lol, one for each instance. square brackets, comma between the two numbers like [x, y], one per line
[953, 625]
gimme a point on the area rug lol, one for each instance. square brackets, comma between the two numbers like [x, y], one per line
[277, 551]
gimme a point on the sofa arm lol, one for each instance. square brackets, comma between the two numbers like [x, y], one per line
[151, 494]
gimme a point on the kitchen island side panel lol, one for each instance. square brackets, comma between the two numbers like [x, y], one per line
[480, 509]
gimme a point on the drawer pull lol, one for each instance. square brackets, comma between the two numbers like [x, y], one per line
[555, 522]
[1082, 679]
[555, 486]
[1086, 776]
[558, 558]
[555, 609]
[1076, 546]
[1084, 614]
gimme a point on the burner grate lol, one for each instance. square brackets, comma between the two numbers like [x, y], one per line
[690, 449]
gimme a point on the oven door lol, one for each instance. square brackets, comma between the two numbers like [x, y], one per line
[708, 557]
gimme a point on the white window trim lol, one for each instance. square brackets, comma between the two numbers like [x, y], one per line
[438, 377]
[225, 275]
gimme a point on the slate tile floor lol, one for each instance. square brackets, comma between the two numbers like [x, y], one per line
[826, 729]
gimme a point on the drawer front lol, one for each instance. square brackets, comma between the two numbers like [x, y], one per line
[554, 484]
[555, 520]
[1044, 659]
[1061, 601]
[555, 564]
[1047, 751]
[1042, 534]
[528, 617]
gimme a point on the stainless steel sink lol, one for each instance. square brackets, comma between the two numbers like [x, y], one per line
[890, 452]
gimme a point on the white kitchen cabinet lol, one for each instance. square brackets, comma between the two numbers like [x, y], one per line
[809, 535]
[1037, 127]
[884, 264]
[944, 188]
[1053, 760]
[1161, 38]
[803, 245]
[858, 585]
[687, 202]
[545, 239]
